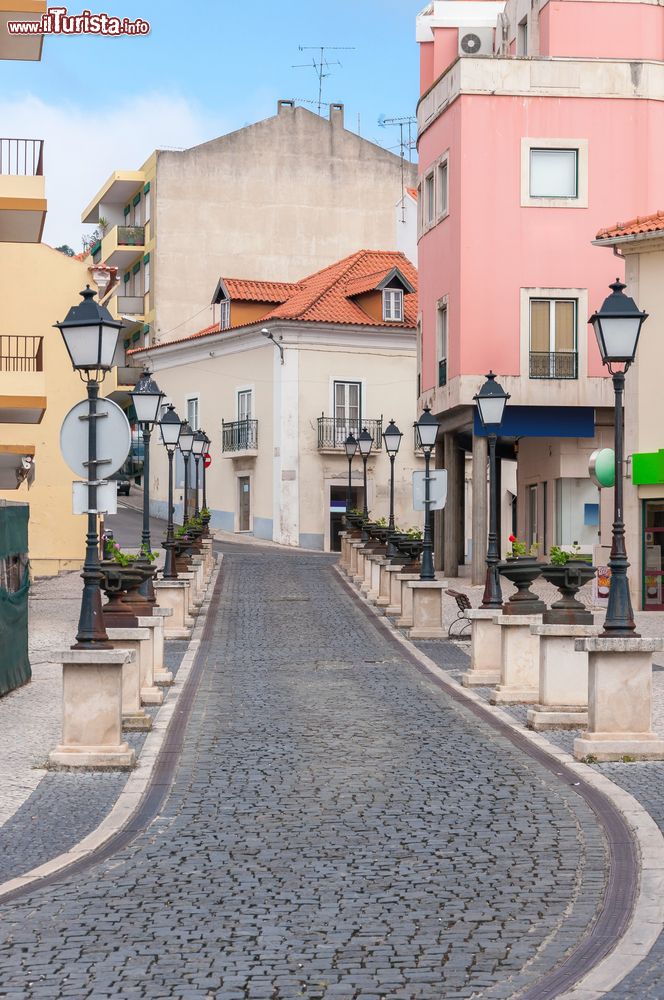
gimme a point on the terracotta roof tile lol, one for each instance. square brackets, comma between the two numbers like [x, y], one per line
[240, 289]
[641, 224]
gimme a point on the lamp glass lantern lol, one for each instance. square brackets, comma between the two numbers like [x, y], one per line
[146, 397]
[90, 334]
[170, 427]
[350, 444]
[491, 401]
[392, 438]
[617, 326]
[199, 444]
[365, 442]
[186, 439]
[427, 430]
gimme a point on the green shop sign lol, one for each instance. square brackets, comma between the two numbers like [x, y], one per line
[648, 468]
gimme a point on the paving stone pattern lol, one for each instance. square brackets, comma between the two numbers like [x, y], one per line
[337, 828]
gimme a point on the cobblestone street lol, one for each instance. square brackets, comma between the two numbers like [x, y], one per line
[337, 827]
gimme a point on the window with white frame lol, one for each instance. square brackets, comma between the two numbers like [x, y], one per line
[147, 206]
[146, 277]
[244, 404]
[347, 409]
[393, 305]
[429, 199]
[442, 343]
[553, 338]
[192, 412]
[225, 314]
[442, 185]
[554, 173]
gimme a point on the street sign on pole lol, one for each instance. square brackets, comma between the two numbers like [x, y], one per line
[207, 461]
[437, 489]
[107, 498]
[113, 438]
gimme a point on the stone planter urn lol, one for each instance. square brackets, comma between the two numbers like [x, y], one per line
[522, 571]
[121, 585]
[568, 578]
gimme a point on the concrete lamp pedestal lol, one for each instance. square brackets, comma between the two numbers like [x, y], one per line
[150, 693]
[344, 557]
[161, 675]
[362, 553]
[519, 661]
[134, 717]
[193, 599]
[377, 563]
[354, 552]
[394, 573]
[365, 584]
[427, 609]
[485, 636]
[619, 700]
[173, 594]
[563, 678]
[92, 711]
[208, 556]
[405, 619]
[198, 566]
[383, 599]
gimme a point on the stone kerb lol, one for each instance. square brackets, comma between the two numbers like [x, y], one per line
[134, 717]
[519, 661]
[427, 603]
[563, 678]
[619, 700]
[485, 638]
[92, 710]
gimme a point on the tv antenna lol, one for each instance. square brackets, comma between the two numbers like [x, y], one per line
[321, 66]
[403, 123]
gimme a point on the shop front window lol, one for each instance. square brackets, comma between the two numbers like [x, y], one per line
[653, 555]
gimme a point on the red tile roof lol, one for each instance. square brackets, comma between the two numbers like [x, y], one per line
[412, 192]
[635, 227]
[239, 289]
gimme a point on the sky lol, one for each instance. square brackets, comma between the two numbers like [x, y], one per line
[207, 67]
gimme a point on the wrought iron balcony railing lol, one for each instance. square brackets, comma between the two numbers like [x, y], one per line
[239, 435]
[21, 354]
[442, 372]
[333, 431]
[131, 236]
[22, 157]
[561, 364]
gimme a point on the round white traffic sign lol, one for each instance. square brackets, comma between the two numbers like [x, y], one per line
[113, 438]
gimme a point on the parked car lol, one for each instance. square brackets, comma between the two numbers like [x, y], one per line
[121, 477]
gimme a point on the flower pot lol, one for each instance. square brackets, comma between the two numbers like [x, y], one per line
[121, 584]
[568, 578]
[522, 571]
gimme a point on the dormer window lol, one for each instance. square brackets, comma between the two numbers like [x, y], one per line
[393, 305]
[225, 314]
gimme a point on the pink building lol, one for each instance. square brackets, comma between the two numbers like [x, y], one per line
[537, 122]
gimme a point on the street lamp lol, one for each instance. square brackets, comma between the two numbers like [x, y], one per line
[365, 444]
[617, 326]
[427, 432]
[350, 446]
[199, 445]
[491, 402]
[170, 427]
[186, 445]
[91, 336]
[146, 397]
[392, 438]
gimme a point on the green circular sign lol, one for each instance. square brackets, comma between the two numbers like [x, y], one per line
[602, 467]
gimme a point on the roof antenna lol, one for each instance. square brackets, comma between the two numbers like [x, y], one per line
[403, 145]
[321, 64]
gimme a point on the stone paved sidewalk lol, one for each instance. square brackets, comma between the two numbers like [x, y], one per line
[337, 828]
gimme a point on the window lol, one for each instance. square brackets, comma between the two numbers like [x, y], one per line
[442, 344]
[522, 38]
[429, 199]
[532, 516]
[148, 206]
[146, 277]
[393, 305]
[192, 412]
[554, 173]
[244, 404]
[347, 410]
[442, 188]
[224, 314]
[553, 338]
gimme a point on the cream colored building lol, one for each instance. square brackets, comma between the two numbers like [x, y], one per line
[273, 201]
[341, 355]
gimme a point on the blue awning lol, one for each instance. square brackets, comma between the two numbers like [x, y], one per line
[543, 421]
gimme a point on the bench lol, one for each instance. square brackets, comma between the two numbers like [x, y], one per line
[463, 605]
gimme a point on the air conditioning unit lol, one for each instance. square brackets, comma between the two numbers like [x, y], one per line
[475, 41]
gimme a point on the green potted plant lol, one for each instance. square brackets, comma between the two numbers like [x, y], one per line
[521, 568]
[568, 572]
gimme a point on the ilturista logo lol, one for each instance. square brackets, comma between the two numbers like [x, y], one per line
[58, 21]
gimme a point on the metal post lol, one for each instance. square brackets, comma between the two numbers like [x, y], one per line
[170, 572]
[427, 571]
[365, 511]
[91, 631]
[493, 596]
[205, 506]
[197, 459]
[391, 547]
[349, 492]
[619, 619]
[146, 589]
[186, 488]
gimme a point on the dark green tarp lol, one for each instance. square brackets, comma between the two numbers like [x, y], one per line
[14, 662]
[13, 530]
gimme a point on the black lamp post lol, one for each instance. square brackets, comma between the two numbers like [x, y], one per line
[91, 335]
[186, 445]
[199, 445]
[146, 397]
[206, 451]
[427, 432]
[170, 427]
[365, 444]
[350, 446]
[491, 402]
[392, 438]
[617, 326]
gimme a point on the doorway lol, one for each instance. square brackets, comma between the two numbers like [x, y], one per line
[244, 519]
[338, 495]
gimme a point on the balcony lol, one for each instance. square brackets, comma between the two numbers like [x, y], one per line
[22, 380]
[122, 246]
[21, 46]
[239, 438]
[332, 432]
[442, 372]
[22, 191]
[557, 365]
[130, 305]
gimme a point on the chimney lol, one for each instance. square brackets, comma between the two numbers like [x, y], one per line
[284, 106]
[337, 115]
